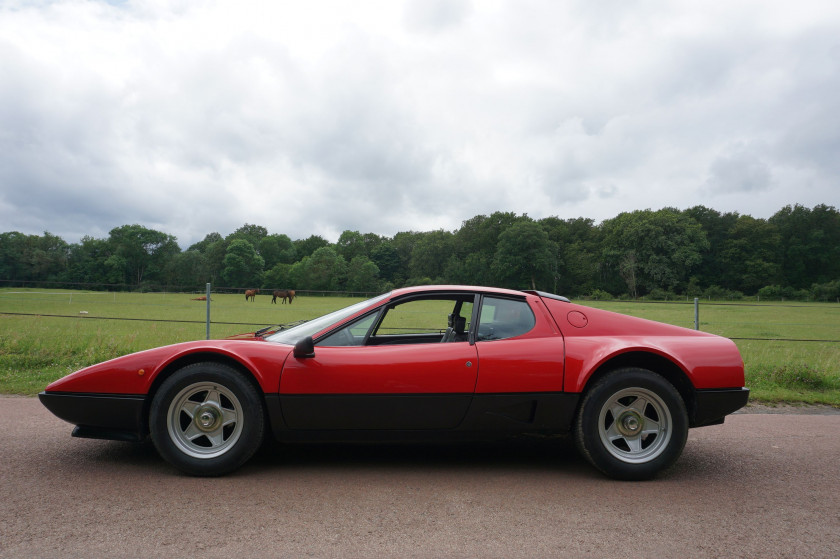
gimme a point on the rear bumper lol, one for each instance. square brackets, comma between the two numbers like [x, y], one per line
[712, 406]
[99, 416]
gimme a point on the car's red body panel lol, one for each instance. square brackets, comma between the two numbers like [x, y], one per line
[136, 373]
[594, 336]
[524, 365]
[566, 346]
[383, 370]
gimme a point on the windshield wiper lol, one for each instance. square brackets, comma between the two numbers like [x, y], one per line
[263, 332]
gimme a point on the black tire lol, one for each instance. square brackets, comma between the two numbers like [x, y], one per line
[206, 419]
[632, 424]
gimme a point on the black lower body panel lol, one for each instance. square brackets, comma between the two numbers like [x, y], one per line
[374, 411]
[712, 406]
[99, 416]
[420, 417]
[525, 413]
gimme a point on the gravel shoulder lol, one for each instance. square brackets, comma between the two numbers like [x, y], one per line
[793, 409]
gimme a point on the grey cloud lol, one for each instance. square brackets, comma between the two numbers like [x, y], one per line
[740, 169]
[433, 16]
[386, 117]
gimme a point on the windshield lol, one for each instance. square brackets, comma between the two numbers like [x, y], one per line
[312, 327]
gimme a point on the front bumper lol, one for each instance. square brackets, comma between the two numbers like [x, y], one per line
[712, 406]
[99, 416]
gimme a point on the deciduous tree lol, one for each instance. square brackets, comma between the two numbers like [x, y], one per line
[243, 267]
[524, 255]
[144, 252]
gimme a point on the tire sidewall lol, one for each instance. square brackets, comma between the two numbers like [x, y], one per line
[587, 434]
[253, 426]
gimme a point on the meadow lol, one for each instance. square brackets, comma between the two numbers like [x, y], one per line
[46, 334]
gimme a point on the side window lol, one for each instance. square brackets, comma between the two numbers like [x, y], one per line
[504, 318]
[425, 321]
[352, 334]
[416, 321]
[424, 316]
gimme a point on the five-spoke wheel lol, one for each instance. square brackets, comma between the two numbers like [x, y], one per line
[206, 419]
[632, 424]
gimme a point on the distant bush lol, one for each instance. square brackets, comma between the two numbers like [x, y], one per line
[779, 293]
[718, 293]
[826, 291]
[693, 288]
[387, 286]
[600, 295]
[659, 294]
[410, 282]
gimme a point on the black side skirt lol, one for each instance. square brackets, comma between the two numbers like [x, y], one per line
[489, 416]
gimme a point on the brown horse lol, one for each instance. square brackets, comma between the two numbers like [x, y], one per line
[251, 293]
[284, 294]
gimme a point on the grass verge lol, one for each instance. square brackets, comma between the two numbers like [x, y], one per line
[35, 350]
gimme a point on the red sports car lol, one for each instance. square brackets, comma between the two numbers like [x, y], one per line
[419, 363]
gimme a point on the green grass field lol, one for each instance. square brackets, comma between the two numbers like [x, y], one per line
[95, 326]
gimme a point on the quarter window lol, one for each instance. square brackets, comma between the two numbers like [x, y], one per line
[504, 318]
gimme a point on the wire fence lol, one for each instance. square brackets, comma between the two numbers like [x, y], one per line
[164, 288]
[831, 326]
[43, 299]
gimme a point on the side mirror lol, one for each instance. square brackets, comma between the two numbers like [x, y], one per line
[305, 348]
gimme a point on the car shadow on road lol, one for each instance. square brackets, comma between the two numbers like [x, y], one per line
[102, 453]
[520, 454]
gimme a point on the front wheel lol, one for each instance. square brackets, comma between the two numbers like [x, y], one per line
[632, 424]
[206, 419]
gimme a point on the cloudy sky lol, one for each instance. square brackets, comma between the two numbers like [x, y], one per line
[313, 117]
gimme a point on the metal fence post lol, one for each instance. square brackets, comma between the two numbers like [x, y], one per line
[208, 311]
[696, 313]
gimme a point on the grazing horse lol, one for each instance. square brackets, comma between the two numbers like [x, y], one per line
[284, 294]
[251, 293]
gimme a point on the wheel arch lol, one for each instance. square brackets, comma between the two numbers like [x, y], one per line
[655, 363]
[190, 359]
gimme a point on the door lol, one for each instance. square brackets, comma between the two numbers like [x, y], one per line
[394, 370]
[416, 386]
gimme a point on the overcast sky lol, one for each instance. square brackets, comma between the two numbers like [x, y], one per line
[313, 117]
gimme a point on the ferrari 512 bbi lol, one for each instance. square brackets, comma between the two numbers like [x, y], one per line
[419, 364]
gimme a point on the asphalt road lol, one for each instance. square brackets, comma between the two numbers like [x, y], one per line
[762, 485]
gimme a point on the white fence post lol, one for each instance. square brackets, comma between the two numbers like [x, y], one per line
[696, 313]
[208, 311]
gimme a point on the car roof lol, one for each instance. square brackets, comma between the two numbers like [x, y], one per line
[464, 288]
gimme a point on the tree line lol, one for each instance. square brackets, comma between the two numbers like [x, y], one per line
[659, 254]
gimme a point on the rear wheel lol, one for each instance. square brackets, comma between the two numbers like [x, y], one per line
[206, 419]
[632, 424]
